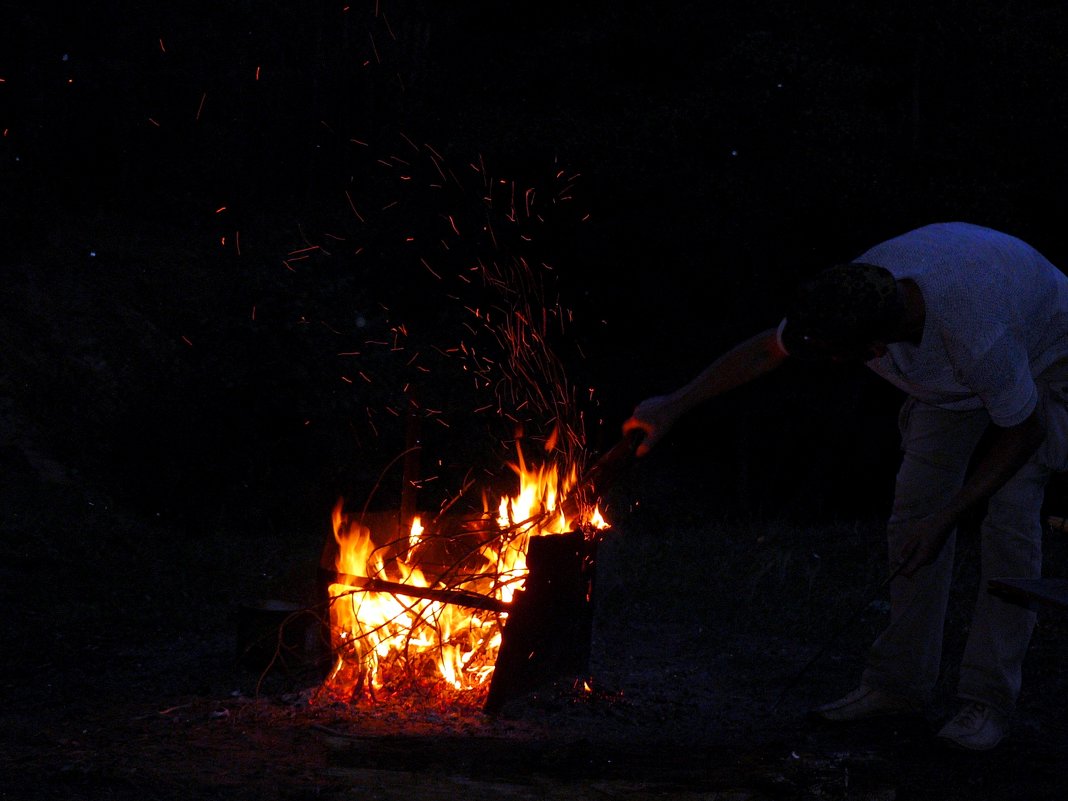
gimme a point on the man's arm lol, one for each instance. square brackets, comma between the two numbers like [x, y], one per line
[744, 362]
[1009, 450]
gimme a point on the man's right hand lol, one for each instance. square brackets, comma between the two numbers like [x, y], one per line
[653, 417]
[747, 360]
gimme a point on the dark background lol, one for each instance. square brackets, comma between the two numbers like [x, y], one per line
[242, 240]
[689, 163]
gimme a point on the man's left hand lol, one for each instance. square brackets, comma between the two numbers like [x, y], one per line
[925, 542]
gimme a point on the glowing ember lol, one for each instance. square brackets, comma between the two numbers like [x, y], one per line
[425, 609]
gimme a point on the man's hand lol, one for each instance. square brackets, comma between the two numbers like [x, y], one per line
[1009, 450]
[654, 417]
[744, 362]
[925, 542]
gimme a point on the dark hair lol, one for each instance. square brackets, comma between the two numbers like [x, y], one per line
[840, 309]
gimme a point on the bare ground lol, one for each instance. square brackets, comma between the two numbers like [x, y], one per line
[120, 677]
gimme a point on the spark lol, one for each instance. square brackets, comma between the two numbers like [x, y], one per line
[429, 268]
[352, 206]
[200, 108]
[257, 72]
[162, 49]
[187, 340]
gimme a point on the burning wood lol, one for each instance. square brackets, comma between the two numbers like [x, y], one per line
[457, 597]
[491, 608]
[427, 608]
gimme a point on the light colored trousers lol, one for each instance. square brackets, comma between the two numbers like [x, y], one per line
[938, 445]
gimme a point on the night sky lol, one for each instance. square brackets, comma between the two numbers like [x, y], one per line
[208, 205]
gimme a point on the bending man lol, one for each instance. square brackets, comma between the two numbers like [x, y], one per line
[972, 324]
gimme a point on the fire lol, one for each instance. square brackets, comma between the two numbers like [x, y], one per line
[425, 609]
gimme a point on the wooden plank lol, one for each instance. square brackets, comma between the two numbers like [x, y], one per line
[1032, 592]
[549, 628]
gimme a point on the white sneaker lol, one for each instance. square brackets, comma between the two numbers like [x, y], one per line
[867, 702]
[977, 727]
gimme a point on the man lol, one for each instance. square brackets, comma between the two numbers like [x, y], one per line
[973, 325]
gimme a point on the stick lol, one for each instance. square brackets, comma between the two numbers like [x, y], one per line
[605, 471]
[834, 636]
[457, 597]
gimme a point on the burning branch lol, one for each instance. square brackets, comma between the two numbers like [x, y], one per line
[457, 597]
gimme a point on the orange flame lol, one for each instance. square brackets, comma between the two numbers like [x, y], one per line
[385, 642]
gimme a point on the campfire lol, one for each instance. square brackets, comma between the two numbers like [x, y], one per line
[479, 600]
[435, 607]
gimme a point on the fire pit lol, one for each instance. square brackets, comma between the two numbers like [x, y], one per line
[500, 649]
[479, 608]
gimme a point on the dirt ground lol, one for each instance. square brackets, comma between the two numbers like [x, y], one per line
[121, 682]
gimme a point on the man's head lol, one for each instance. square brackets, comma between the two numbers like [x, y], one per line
[843, 313]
